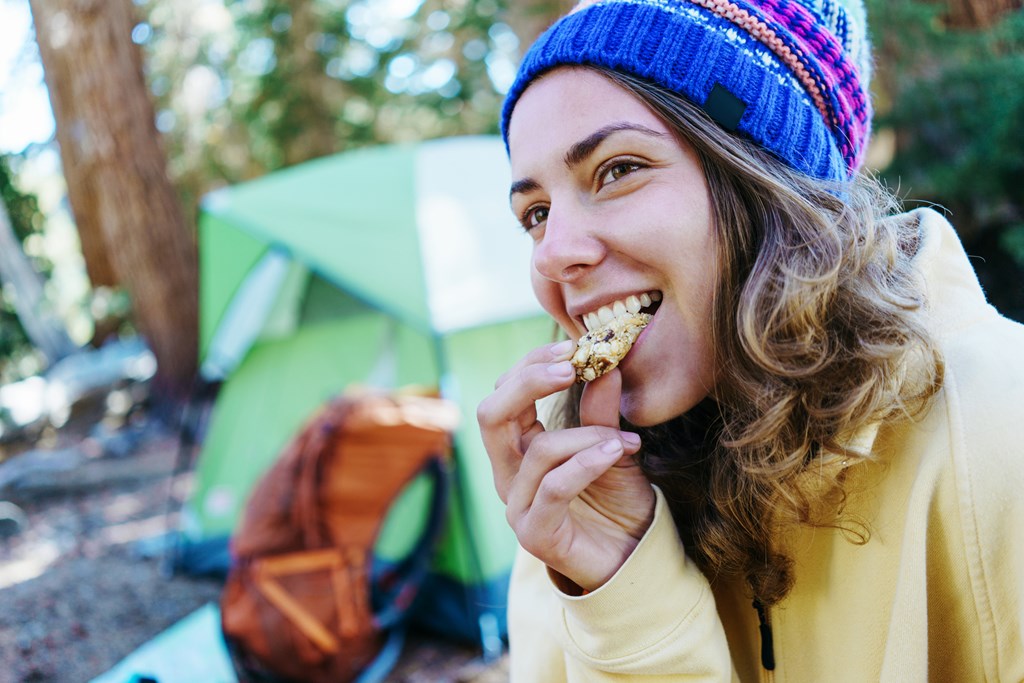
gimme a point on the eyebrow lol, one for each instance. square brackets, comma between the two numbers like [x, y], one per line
[581, 150]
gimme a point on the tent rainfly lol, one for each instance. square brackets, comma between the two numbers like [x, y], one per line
[385, 267]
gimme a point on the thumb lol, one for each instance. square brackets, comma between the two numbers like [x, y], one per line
[599, 404]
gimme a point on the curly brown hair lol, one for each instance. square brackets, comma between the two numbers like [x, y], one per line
[818, 330]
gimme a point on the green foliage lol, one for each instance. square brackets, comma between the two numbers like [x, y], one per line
[955, 100]
[271, 83]
[1012, 241]
[23, 212]
[959, 105]
[22, 208]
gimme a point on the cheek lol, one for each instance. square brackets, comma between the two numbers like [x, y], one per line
[550, 297]
[696, 275]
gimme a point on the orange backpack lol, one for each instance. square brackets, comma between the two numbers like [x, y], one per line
[300, 602]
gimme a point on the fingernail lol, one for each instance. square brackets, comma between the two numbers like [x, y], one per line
[563, 347]
[563, 369]
[611, 446]
[631, 438]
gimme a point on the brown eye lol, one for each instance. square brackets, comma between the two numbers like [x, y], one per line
[534, 217]
[617, 171]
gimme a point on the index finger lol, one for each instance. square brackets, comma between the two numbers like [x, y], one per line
[513, 404]
[548, 353]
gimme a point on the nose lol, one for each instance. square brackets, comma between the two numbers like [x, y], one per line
[569, 246]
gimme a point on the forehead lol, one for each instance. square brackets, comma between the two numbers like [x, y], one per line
[568, 104]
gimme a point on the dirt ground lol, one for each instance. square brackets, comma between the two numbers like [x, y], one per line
[78, 592]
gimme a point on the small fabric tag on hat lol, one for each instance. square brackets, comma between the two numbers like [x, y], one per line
[724, 107]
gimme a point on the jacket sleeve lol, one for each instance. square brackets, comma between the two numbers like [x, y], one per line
[985, 406]
[655, 620]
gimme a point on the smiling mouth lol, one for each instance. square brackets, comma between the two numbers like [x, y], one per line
[611, 332]
[648, 302]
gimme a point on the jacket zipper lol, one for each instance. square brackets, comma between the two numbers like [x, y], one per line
[767, 645]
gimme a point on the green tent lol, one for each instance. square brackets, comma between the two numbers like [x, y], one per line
[388, 266]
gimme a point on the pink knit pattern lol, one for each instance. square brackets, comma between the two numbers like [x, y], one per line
[841, 79]
[817, 61]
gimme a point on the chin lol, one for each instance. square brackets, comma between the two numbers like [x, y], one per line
[642, 411]
[645, 407]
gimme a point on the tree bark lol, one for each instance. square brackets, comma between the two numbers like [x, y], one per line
[43, 328]
[980, 13]
[116, 173]
[82, 193]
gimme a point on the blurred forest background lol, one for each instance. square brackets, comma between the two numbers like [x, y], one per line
[158, 102]
[140, 108]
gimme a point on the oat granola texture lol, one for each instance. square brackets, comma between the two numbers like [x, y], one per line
[600, 350]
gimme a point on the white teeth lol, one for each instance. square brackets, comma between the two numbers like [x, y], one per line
[630, 305]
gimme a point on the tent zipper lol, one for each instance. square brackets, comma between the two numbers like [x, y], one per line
[767, 646]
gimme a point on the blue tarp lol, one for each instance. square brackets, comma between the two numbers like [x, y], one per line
[191, 650]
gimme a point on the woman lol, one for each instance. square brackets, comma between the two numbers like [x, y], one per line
[807, 467]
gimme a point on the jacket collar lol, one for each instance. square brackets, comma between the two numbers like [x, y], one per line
[954, 297]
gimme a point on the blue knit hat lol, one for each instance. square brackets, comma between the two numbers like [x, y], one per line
[791, 75]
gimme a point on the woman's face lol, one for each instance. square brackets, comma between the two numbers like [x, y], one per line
[617, 207]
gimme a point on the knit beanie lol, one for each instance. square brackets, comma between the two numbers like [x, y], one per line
[791, 75]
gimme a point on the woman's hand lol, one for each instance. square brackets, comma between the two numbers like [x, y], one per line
[574, 497]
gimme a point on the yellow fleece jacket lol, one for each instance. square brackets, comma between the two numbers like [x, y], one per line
[936, 594]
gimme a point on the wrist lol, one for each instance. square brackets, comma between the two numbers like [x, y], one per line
[578, 584]
[566, 585]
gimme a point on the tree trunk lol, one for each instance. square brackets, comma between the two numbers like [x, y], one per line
[60, 78]
[117, 175]
[43, 328]
[979, 13]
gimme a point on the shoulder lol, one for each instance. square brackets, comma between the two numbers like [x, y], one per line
[970, 471]
[982, 351]
[971, 436]
[983, 401]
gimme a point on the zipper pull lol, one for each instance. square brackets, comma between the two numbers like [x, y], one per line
[767, 646]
